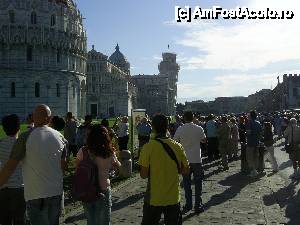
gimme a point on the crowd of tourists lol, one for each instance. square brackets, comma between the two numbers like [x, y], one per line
[176, 149]
[32, 163]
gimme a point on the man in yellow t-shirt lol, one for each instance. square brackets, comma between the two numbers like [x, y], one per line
[163, 191]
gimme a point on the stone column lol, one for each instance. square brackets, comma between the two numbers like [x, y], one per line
[25, 100]
[67, 97]
[48, 89]
[78, 98]
[83, 99]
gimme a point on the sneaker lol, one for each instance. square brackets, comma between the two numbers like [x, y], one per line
[186, 209]
[199, 209]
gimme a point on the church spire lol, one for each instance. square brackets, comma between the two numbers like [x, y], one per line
[117, 47]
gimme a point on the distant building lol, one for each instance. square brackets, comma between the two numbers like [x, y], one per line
[110, 91]
[258, 101]
[230, 104]
[290, 91]
[153, 91]
[219, 106]
[197, 106]
[158, 93]
[286, 95]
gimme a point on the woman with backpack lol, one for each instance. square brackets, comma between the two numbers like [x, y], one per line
[99, 150]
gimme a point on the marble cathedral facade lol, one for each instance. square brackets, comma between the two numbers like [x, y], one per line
[110, 91]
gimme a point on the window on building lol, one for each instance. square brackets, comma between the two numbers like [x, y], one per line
[94, 89]
[295, 92]
[53, 20]
[13, 90]
[57, 90]
[74, 91]
[37, 90]
[58, 56]
[29, 53]
[33, 18]
[12, 16]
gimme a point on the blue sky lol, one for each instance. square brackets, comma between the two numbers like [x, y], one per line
[217, 58]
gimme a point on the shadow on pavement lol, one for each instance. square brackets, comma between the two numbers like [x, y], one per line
[208, 164]
[126, 202]
[286, 197]
[116, 206]
[236, 182]
[73, 219]
[285, 165]
[212, 173]
[186, 217]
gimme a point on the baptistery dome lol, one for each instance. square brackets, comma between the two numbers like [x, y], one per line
[68, 3]
[43, 56]
[120, 60]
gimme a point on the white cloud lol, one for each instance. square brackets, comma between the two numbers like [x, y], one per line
[133, 67]
[245, 45]
[229, 85]
[156, 58]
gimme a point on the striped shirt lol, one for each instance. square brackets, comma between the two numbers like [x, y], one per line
[16, 179]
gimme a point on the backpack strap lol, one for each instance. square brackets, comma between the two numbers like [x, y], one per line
[292, 142]
[85, 152]
[170, 152]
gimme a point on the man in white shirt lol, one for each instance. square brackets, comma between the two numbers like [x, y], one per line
[123, 133]
[190, 135]
[42, 152]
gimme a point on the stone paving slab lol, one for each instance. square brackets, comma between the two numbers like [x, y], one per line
[229, 198]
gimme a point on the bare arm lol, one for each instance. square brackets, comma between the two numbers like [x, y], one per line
[116, 163]
[144, 172]
[8, 170]
[185, 170]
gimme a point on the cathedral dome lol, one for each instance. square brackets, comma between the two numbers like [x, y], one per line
[117, 57]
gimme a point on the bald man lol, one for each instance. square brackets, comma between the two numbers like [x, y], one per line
[42, 152]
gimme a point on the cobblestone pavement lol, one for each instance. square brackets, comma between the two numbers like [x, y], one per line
[229, 198]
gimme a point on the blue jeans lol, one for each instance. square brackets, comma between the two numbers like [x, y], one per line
[44, 211]
[98, 213]
[198, 173]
